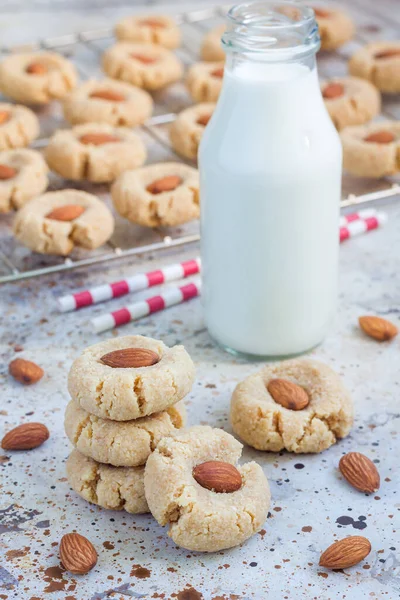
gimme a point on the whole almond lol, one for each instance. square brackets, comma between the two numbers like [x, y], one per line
[218, 476]
[380, 137]
[320, 12]
[36, 68]
[345, 553]
[25, 437]
[98, 139]
[288, 394]
[155, 23]
[165, 184]
[333, 90]
[203, 120]
[389, 53]
[129, 358]
[378, 328]
[219, 73]
[68, 212]
[4, 116]
[7, 172]
[360, 472]
[108, 95]
[145, 59]
[25, 371]
[77, 554]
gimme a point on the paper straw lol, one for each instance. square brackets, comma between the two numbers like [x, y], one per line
[136, 283]
[361, 214]
[131, 312]
[360, 226]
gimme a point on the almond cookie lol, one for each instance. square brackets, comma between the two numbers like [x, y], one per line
[372, 150]
[108, 101]
[56, 222]
[350, 100]
[211, 49]
[299, 405]
[130, 377]
[115, 488]
[187, 130]
[23, 175]
[95, 151]
[379, 62]
[36, 78]
[146, 65]
[121, 444]
[204, 81]
[149, 29]
[193, 484]
[335, 27]
[18, 126]
[163, 194]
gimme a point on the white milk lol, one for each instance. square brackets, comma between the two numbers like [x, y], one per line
[270, 168]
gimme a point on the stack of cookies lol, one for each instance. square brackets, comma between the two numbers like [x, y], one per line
[125, 397]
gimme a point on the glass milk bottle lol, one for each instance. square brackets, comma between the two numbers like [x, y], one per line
[270, 181]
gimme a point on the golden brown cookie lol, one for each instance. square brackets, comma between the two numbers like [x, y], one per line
[107, 101]
[211, 49]
[204, 81]
[18, 126]
[372, 150]
[187, 130]
[350, 100]
[94, 151]
[56, 222]
[335, 26]
[379, 62]
[149, 29]
[163, 194]
[146, 65]
[36, 77]
[23, 175]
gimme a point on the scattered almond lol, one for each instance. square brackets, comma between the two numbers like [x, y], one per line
[25, 371]
[4, 116]
[378, 328]
[77, 554]
[218, 72]
[360, 472]
[320, 12]
[218, 476]
[203, 120]
[36, 68]
[129, 358]
[380, 137]
[165, 184]
[7, 172]
[25, 437]
[97, 139]
[288, 394]
[333, 90]
[145, 59]
[389, 53]
[155, 23]
[108, 95]
[68, 212]
[345, 553]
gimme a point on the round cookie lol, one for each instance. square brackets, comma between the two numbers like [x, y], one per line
[56, 222]
[204, 81]
[36, 77]
[163, 194]
[96, 152]
[265, 424]
[203, 519]
[335, 27]
[114, 488]
[146, 65]
[108, 101]
[125, 393]
[23, 175]
[379, 62]
[122, 444]
[187, 130]
[18, 126]
[211, 49]
[149, 29]
[372, 150]
[350, 100]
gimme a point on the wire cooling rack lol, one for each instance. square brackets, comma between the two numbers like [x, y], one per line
[84, 48]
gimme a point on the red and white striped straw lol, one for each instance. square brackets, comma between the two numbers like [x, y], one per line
[136, 283]
[131, 312]
[359, 226]
[366, 213]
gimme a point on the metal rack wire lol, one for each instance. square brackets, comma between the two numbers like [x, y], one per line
[88, 39]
